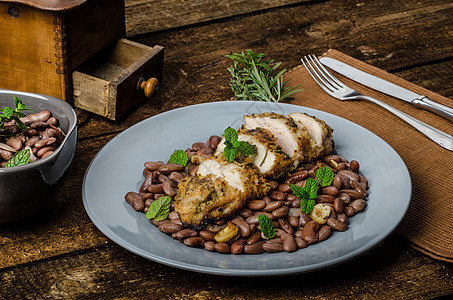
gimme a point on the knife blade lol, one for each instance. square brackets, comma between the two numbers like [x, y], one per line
[388, 88]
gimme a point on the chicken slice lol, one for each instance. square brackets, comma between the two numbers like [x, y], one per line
[320, 135]
[292, 138]
[219, 189]
[269, 157]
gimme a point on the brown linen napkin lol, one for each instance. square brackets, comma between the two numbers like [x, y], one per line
[428, 224]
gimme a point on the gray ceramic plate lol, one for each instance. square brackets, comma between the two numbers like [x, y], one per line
[117, 169]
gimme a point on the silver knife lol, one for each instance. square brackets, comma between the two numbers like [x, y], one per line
[388, 88]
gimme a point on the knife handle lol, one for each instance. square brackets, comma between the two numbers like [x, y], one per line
[434, 107]
[441, 138]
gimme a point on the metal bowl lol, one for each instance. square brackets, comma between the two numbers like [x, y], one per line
[26, 189]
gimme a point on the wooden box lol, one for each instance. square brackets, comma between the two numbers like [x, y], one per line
[125, 71]
[43, 41]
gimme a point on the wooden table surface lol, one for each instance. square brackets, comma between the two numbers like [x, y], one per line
[59, 253]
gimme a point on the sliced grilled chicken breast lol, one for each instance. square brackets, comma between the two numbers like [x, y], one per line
[320, 135]
[219, 189]
[292, 138]
[269, 157]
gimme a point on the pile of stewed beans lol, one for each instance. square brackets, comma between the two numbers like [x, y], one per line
[42, 136]
[294, 229]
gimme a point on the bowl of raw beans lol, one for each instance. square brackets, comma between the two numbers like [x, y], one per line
[38, 136]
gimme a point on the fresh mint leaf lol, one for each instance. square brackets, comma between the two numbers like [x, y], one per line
[267, 227]
[306, 194]
[159, 209]
[312, 187]
[179, 157]
[230, 153]
[236, 144]
[20, 158]
[231, 135]
[245, 148]
[8, 112]
[324, 175]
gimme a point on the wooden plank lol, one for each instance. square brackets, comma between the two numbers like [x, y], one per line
[144, 16]
[391, 271]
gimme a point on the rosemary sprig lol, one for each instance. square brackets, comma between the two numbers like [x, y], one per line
[253, 78]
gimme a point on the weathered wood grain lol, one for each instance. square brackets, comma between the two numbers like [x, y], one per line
[144, 16]
[391, 271]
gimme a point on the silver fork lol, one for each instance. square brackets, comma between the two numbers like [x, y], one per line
[338, 90]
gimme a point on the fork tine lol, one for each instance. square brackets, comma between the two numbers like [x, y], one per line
[326, 74]
[319, 80]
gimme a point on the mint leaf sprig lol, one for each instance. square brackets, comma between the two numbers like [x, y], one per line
[267, 227]
[233, 146]
[179, 157]
[309, 193]
[8, 113]
[159, 209]
[19, 158]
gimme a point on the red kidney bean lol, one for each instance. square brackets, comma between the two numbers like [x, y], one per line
[280, 212]
[324, 232]
[325, 199]
[238, 246]
[157, 196]
[41, 152]
[156, 188]
[284, 224]
[330, 190]
[183, 234]
[173, 215]
[358, 204]
[256, 204]
[345, 198]
[272, 206]
[341, 166]
[257, 213]
[177, 176]
[293, 221]
[161, 177]
[41, 116]
[358, 187]
[214, 141]
[291, 197]
[243, 226]
[193, 170]
[277, 195]
[255, 248]
[273, 184]
[349, 174]
[284, 187]
[222, 247]
[337, 182]
[176, 221]
[300, 243]
[254, 237]
[289, 243]
[245, 212]
[353, 194]
[147, 182]
[135, 200]
[31, 141]
[336, 224]
[252, 219]
[363, 181]
[273, 247]
[333, 157]
[338, 205]
[354, 166]
[14, 142]
[148, 202]
[310, 232]
[349, 211]
[45, 142]
[195, 241]
[168, 168]
[169, 188]
[209, 245]
[207, 235]
[304, 219]
[170, 227]
[298, 176]
[153, 165]
[342, 218]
